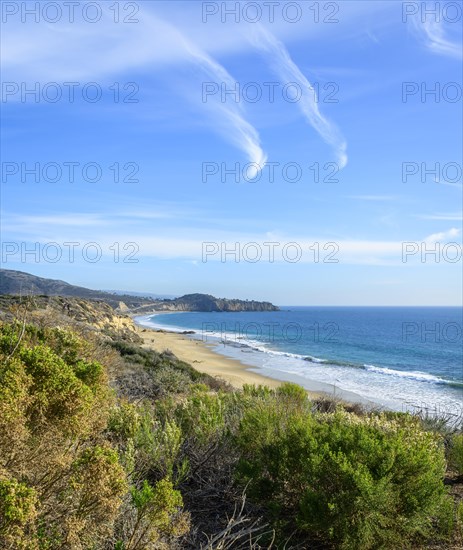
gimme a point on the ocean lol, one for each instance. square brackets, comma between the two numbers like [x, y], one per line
[401, 358]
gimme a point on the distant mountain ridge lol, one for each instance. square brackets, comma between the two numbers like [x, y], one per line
[150, 295]
[19, 282]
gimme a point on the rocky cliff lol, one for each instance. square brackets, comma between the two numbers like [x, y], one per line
[206, 302]
[69, 311]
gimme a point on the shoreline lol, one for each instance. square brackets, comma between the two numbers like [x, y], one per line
[382, 387]
[201, 356]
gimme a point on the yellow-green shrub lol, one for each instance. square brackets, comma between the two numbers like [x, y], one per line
[158, 514]
[53, 402]
[359, 482]
[98, 482]
[18, 511]
[203, 415]
[456, 453]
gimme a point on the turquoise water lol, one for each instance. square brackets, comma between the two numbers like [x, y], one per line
[399, 357]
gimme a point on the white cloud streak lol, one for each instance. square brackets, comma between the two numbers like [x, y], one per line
[435, 33]
[288, 71]
[457, 217]
[443, 236]
[187, 243]
[237, 129]
[81, 54]
[439, 43]
[380, 198]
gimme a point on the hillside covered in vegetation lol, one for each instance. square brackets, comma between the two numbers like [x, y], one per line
[105, 444]
[20, 283]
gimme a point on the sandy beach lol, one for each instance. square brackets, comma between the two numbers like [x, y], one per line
[200, 356]
[203, 358]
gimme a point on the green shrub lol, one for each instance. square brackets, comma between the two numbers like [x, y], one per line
[88, 372]
[446, 518]
[64, 343]
[293, 393]
[40, 390]
[202, 416]
[124, 421]
[158, 502]
[157, 515]
[148, 444]
[14, 401]
[165, 442]
[17, 508]
[53, 400]
[171, 380]
[57, 395]
[70, 347]
[96, 487]
[459, 518]
[359, 482]
[456, 453]
[260, 391]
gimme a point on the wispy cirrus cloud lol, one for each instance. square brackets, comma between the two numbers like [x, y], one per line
[61, 220]
[288, 71]
[153, 43]
[450, 184]
[438, 42]
[231, 117]
[380, 198]
[439, 36]
[457, 217]
[231, 114]
[187, 242]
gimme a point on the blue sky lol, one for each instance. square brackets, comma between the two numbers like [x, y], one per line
[350, 147]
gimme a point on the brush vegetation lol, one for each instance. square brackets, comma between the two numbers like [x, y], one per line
[107, 445]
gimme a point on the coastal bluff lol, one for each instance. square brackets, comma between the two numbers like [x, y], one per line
[24, 284]
[206, 302]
